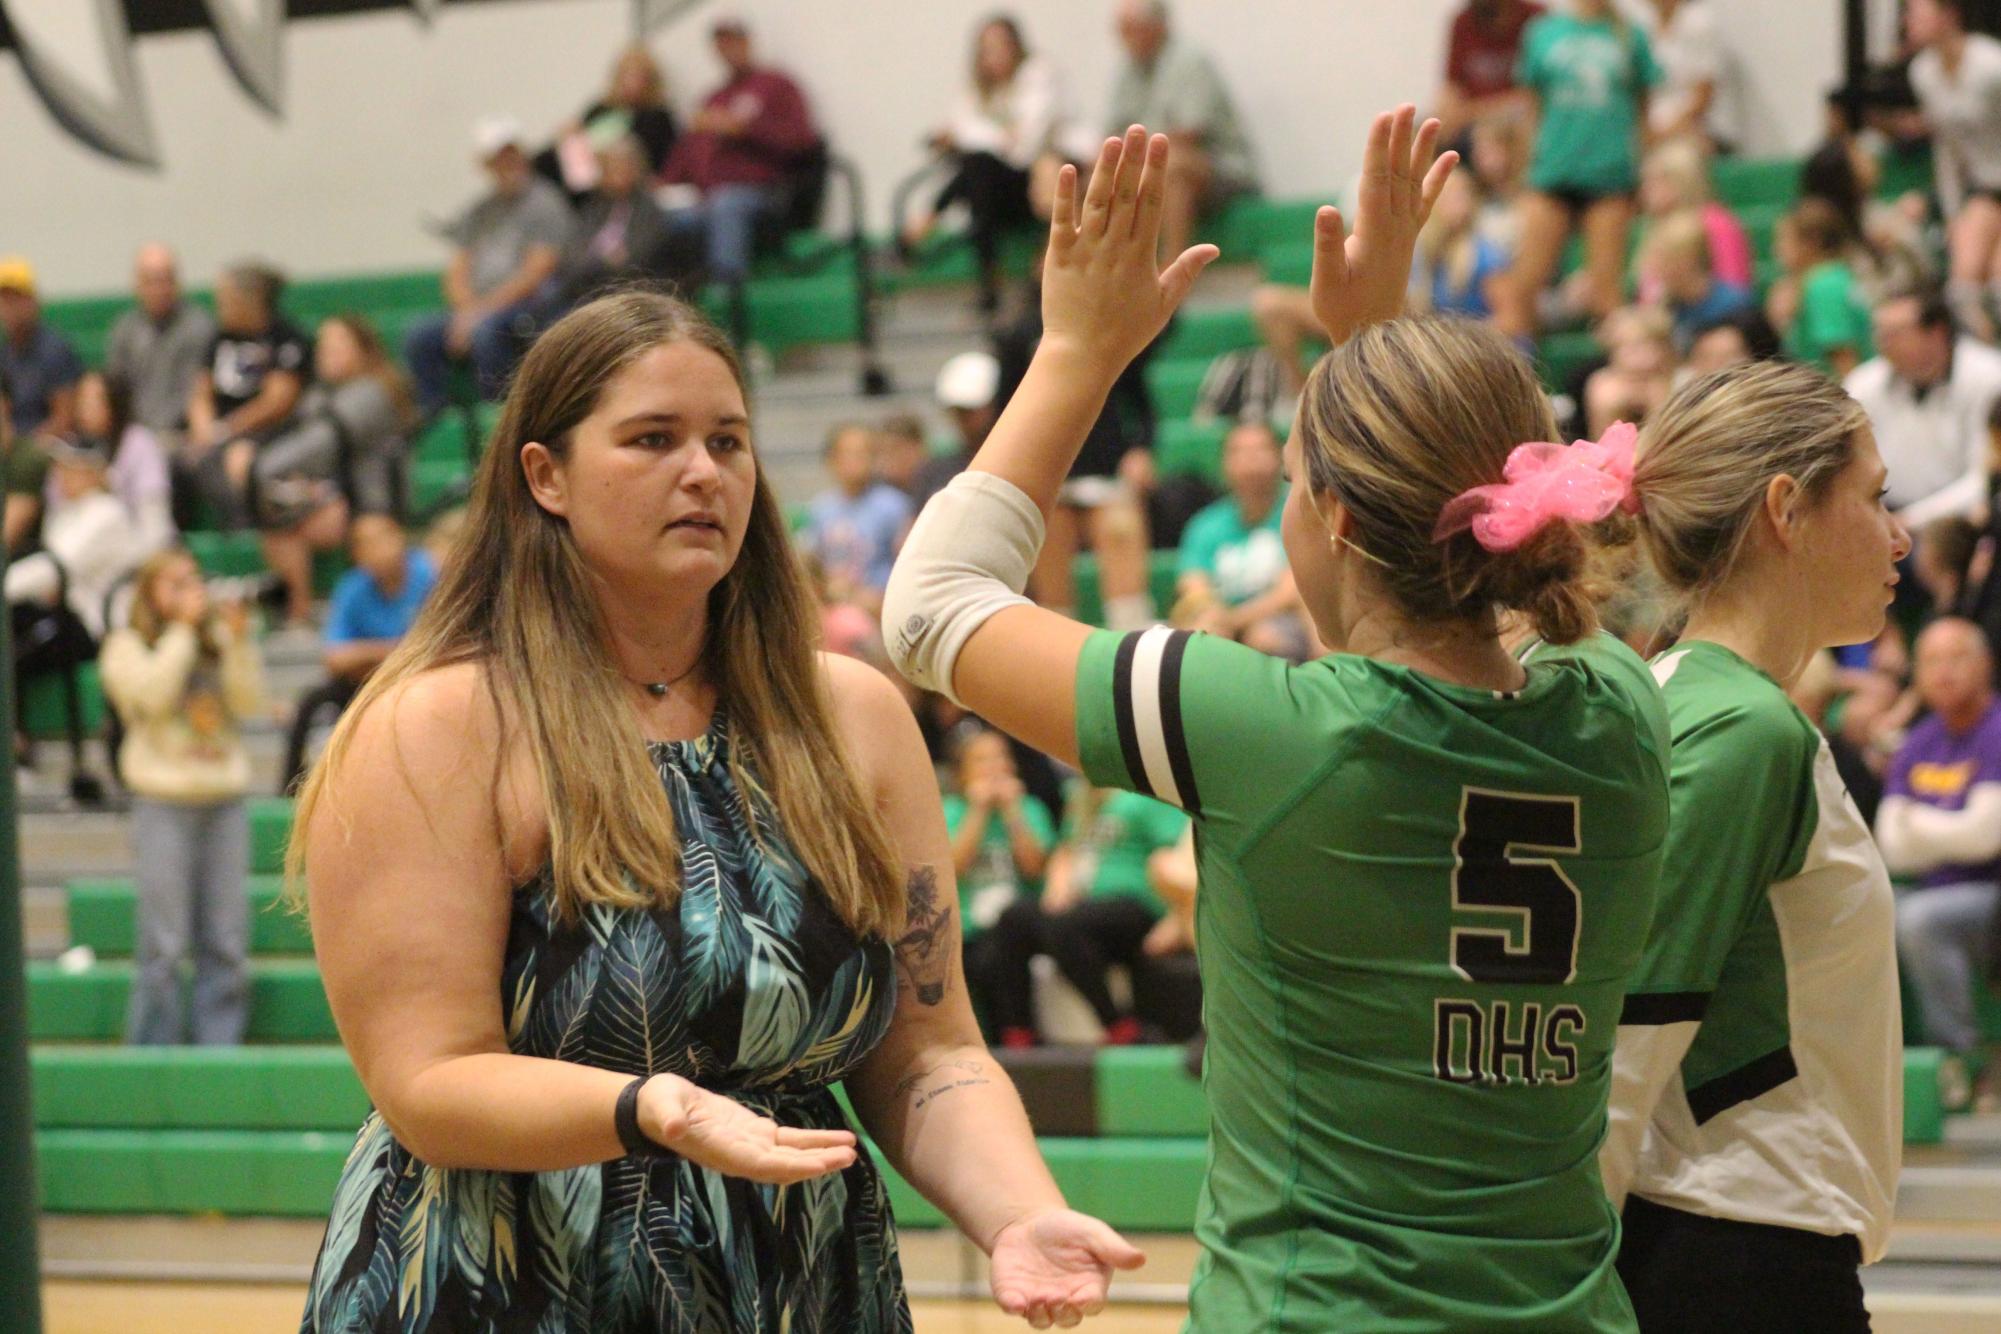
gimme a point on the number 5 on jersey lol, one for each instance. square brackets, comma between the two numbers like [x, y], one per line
[1533, 942]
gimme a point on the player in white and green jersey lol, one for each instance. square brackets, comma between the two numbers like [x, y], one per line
[1426, 869]
[1757, 1111]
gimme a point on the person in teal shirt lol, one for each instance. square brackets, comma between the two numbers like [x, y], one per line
[1589, 72]
[1001, 838]
[1820, 305]
[1232, 578]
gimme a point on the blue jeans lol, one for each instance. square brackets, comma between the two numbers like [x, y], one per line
[726, 222]
[1941, 938]
[495, 341]
[194, 903]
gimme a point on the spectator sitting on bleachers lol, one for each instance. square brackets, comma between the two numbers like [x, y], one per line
[1677, 270]
[1819, 304]
[853, 528]
[620, 233]
[249, 384]
[1231, 577]
[1098, 905]
[1001, 838]
[1589, 70]
[1957, 78]
[1674, 180]
[1480, 58]
[39, 362]
[508, 245]
[24, 471]
[901, 451]
[373, 607]
[1744, 336]
[343, 454]
[1929, 393]
[1639, 374]
[1012, 117]
[184, 676]
[1499, 163]
[156, 350]
[1457, 265]
[750, 136]
[1692, 99]
[634, 102]
[1174, 89]
[1941, 821]
[138, 475]
[968, 388]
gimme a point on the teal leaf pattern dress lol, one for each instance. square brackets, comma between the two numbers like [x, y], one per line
[751, 987]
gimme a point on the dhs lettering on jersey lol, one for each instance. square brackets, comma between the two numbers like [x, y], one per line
[1504, 1042]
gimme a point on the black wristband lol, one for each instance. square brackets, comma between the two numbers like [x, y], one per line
[625, 1120]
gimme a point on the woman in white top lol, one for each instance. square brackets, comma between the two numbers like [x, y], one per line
[1008, 118]
[1690, 101]
[1957, 77]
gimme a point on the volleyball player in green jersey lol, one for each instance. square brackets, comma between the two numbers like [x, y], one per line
[1757, 1112]
[1426, 870]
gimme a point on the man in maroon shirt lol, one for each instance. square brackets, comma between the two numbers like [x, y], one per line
[747, 138]
[1480, 64]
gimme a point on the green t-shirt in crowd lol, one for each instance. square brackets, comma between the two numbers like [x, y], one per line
[1241, 562]
[1590, 77]
[1832, 314]
[24, 468]
[1113, 846]
[1420, 906]
[993, 882]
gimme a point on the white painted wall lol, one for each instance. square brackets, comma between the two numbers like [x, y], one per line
[378, 107]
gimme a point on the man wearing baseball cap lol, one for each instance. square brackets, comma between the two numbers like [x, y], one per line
[39, 362]
[509, 243]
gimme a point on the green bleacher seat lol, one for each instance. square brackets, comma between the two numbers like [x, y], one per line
[1175, 385]
[1208, 333]
[947, 258]
[1906, 170]
[88, 1005]
[1560, 356]
[274, 1173]
[197, 1088]
[432, 481]
[1090, 594]
[1744, 182]
[1147, 1091]
[270, 830]
[103, 915]
[1250, 225]
[1927, 1073]
[1288, 262]
[786, 312]
[1184, 448]
[45, 710]
[225, 555]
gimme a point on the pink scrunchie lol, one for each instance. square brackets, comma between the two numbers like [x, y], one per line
[1582, 483]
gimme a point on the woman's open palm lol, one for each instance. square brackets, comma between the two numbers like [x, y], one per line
[721, 1134]
[1360, 280]
[1103, 290]
[1055, 1267]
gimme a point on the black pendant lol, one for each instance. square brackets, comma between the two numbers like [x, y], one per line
[657, 689]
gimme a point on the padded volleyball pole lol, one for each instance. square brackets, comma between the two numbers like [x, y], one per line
[20, 1265]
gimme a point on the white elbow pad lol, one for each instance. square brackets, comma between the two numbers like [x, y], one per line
[967, 557]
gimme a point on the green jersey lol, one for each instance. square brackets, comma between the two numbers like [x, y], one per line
[1419, 906]
[1590, 77]
[1759, 1074]
[993, 882]
[1833, 313]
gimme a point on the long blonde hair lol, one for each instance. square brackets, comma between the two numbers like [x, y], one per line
[516, 598]
[1404, 418]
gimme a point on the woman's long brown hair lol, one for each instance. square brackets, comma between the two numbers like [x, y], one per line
[516, 598]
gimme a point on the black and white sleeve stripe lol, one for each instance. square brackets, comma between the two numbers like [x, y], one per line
[1146, 698]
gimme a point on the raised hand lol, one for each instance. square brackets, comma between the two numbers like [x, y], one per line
[1360, 280]
[1104, 294]
[725, 1136]
[1054, 1267]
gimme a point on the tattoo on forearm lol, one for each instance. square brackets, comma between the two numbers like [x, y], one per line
[924, 950]
[940, 1080]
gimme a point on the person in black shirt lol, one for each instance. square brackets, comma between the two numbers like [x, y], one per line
[635, 103]
[249, 384]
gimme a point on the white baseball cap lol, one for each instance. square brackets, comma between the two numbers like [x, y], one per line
[969, 380]
[493, 133]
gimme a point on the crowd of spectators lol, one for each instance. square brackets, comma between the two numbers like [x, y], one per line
[1591, 131]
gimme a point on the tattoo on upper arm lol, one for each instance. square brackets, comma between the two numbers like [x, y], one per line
[942, 1079]
[924, 951]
